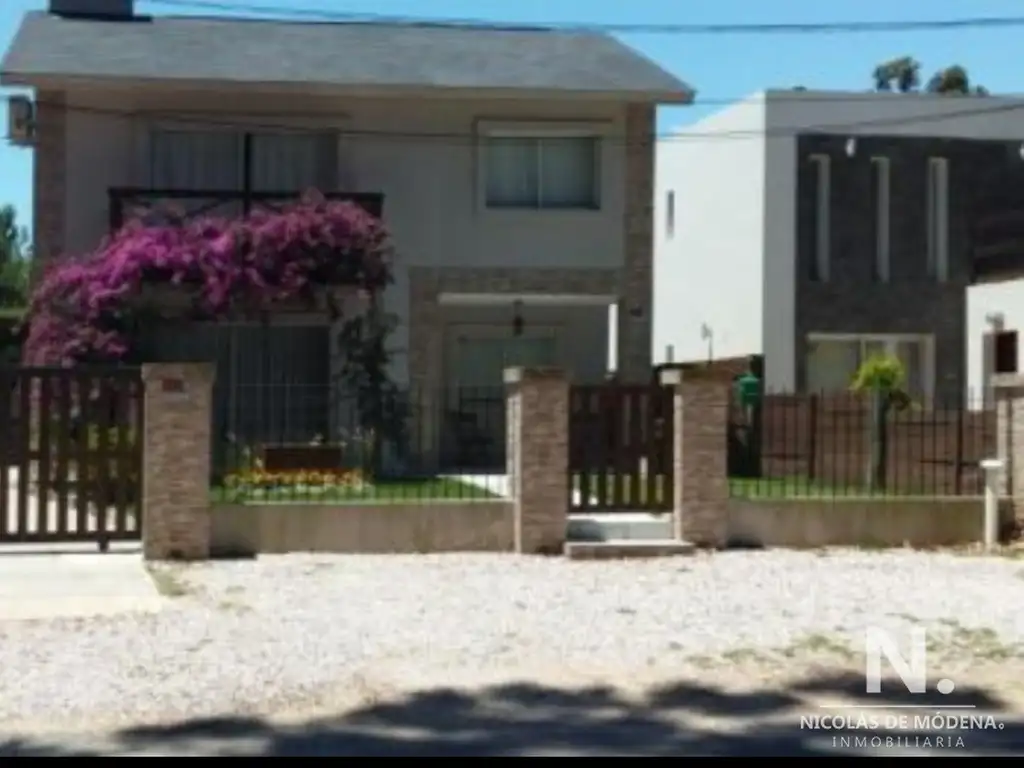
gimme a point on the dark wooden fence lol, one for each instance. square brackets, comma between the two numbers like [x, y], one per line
[70, 454]
[620, 447]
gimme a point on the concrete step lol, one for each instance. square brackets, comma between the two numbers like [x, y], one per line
[624, 549]
[615, 526]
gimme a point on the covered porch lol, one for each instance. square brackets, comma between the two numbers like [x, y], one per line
[479, 334]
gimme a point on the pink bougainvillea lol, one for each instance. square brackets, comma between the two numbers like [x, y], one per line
[87, 309]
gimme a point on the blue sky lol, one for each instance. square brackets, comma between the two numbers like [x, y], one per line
[720, 66]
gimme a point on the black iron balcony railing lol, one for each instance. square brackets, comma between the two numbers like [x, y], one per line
[154, 205]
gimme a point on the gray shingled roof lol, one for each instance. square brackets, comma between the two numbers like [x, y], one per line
[285, 52]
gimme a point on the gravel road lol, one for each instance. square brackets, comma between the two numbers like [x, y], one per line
[289, 631]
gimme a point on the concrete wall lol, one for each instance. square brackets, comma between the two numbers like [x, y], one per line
[709, 261]
[250, 529]
[889, 522]
[983, 301]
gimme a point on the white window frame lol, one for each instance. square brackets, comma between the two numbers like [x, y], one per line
[937, 200]
[823, 216]
[883, 224]
[487, 129]
[890, 340]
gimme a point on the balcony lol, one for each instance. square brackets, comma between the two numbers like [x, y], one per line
[153, 205]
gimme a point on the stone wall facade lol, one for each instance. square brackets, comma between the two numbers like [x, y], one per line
[636, 314]
[852, 301]
[49, 198]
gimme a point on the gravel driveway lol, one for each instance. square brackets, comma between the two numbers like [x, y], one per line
[290, 631]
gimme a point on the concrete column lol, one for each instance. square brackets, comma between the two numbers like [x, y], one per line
[700, 465]
[538, 457]
[176, 461]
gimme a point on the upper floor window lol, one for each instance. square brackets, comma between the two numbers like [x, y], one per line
[880, 176]
[670, 213]
[938, 218]
[540, 172]
[822, 186]
[204, 160]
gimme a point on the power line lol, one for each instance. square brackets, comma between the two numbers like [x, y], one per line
[782, 28]
[287, 123]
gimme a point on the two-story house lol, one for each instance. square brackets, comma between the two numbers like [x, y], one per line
[817, 228]
[513, 168]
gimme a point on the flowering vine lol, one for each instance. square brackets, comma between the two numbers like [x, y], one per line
[88, 309]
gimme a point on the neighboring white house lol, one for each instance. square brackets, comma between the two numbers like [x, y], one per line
[727, 267]
[995, 315]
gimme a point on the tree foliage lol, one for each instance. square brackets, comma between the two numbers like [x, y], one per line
[15, 255]
[903, 75]
[89, 309]
[883, 379]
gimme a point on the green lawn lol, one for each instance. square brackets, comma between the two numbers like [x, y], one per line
[807, 488]
[433, 489]
[739, 487]
[787, 488]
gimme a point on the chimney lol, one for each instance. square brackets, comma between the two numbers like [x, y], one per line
[93, 9]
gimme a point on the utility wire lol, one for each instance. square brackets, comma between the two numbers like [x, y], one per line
[287, 123]
[298, 12]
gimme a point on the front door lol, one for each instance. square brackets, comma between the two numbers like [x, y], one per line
[474, 426]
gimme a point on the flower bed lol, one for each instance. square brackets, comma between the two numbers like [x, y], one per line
[261, 486]
[313, 485]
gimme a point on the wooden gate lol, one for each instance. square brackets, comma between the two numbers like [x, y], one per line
[70, 455]
[620, 447]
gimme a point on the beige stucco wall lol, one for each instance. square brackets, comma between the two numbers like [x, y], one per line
[888, 522]
[421, 155]
[477, 526]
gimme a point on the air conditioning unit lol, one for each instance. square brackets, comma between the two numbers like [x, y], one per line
[21, 121]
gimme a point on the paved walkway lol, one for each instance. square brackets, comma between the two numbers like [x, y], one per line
[497, 484]
[76, 581]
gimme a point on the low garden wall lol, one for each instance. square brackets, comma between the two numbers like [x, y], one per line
[888, 522]
[389, 528]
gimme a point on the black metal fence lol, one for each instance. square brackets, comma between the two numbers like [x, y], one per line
[808, 445]
[295, 442]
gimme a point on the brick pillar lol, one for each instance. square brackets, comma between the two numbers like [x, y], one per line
[538, 457]
[700, 457]
[1009, 392]
[176, 461]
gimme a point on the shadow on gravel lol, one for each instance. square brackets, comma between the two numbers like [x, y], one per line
[529, 720]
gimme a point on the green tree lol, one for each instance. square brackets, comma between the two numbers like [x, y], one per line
[881, 378]
[903, 75]
[15, 259]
